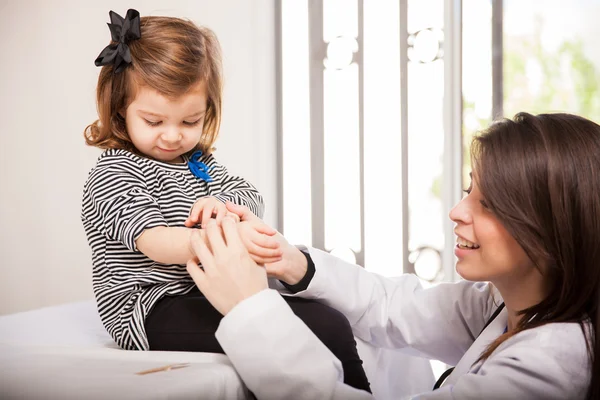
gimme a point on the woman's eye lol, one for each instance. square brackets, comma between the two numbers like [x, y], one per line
[467, 191]
[153, 123]
[484, 204]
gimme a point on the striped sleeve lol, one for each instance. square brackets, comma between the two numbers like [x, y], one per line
[117, 202]
[235, 189]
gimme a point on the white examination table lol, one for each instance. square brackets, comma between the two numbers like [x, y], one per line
[63, 352]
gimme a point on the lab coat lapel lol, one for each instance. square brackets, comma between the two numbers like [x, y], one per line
[489, 334]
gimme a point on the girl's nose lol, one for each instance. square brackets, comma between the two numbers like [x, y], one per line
[172, 135]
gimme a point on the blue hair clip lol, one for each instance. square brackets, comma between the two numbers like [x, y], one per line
[198, 168]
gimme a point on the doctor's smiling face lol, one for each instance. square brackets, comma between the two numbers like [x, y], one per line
[484, 248]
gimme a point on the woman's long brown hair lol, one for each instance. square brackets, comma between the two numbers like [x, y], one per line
[540, 176]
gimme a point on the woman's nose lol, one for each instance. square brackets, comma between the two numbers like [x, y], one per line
[461, 213]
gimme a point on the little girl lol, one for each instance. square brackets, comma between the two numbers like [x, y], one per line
[159, 105]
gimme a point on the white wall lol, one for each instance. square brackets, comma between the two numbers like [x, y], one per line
[47, 83]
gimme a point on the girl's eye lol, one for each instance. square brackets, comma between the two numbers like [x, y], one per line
[467, 191]
[153, 123]
[196, 122]
[484, 204]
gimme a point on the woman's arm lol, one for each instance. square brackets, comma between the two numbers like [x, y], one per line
[440, 322]
[279, 357]
[276, 355]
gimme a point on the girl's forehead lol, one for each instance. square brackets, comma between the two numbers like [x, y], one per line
[150, 96]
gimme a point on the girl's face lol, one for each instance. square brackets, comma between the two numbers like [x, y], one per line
[484, 248]
[163, 128]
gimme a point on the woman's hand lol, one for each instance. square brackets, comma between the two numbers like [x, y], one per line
[290, 266]
[256, 235]
[229, 274]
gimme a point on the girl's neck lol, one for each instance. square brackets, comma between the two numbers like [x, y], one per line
[178, 160]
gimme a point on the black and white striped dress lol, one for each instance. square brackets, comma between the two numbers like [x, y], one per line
[126, 194]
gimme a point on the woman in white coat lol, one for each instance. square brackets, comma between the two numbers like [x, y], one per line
[524, 324]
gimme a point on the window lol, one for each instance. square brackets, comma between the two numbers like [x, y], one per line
[520, 56]
[363, 119]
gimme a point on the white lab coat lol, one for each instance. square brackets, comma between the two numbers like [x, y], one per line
[278, 357]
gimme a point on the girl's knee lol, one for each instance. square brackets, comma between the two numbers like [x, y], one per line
[328, 324]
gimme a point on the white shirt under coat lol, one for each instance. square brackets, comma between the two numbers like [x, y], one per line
[278, 357]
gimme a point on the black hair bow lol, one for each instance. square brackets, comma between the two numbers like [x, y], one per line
[122, 30]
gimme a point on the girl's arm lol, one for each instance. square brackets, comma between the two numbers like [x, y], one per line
[118, 204]
[166, 245]
[226, 187]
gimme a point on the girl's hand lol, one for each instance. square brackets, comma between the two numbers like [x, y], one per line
[230, 275]
[259, 240]
[204, 209]
[290, 266]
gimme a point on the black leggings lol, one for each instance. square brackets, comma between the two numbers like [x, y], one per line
[188, 323]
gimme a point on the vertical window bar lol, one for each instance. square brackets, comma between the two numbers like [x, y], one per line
[452, 176]
[278, 105]
[359, 57]
[403, 22]
[497, 60]
[317, 123]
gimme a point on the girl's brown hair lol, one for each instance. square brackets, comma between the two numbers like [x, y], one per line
[540, 176]
[171, 56]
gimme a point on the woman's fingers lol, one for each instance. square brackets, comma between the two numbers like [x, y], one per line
[215, 238]
[231, 234]
[202, 252]
[197, 274]
[229, 275]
